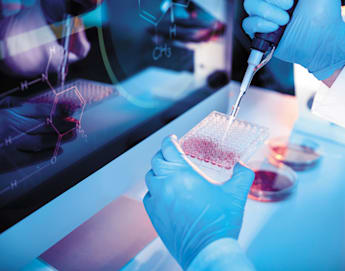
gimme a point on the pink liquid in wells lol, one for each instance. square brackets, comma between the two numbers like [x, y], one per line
[209, 152]
[70, 101]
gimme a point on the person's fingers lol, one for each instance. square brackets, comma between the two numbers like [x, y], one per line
[64, 126]
[240, 182]
[154, 183]
[255, 24]
[147, 197]
[33, 110]
[30, 143]
[8, 102]
[20, 159]
[57, 126]
[44, 141]
[147, 201]
[62, 109]
[22, 124]
[172, 151]
[283, 4]
[70, 136]
[158, 164]
[267, 11]
[161, 167]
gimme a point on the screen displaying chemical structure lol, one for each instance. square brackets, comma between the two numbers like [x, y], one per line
[85, 82]
[154, 15]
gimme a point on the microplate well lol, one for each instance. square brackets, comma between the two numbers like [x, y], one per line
[76, 93]
[215, 152]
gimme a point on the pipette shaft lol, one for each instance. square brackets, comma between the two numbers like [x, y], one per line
[254, 61]
[66, 33]
[261, 45]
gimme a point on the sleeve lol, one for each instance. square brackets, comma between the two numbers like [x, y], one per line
[329, 103]
[223, 254]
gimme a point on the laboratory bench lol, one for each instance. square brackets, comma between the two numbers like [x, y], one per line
[303, 232]
[124, 130]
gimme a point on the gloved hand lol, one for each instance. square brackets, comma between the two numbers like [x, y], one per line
[315, 37]
[188, 211]
[25, 135]
[55, 10]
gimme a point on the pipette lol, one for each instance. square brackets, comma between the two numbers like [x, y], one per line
[263, 45]
[67, 31]
[73, 8]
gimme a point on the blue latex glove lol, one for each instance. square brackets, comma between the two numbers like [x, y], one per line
[315, 37]
[188, 211]
[25, 136]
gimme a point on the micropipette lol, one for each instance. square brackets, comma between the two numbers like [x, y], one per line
[262, 45]
[73, 8]
[67, 31]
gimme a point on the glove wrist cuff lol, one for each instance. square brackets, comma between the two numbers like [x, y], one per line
[219, 255]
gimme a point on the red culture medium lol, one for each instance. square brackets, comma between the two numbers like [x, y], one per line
[209, 152]
[91, 92]
[270, 186]
[300, 158]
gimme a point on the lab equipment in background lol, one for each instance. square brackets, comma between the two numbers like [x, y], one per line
[272, 183]
[215, 154]
[194, 30]
[299, 153]
[263, 44]
[308, 123]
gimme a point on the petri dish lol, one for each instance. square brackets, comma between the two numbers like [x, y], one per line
[272, 183]
[298, 153]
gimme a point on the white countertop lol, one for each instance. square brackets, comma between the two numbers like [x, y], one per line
[304, 232]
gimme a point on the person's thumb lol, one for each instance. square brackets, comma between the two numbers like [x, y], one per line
[172, 151]
[240, 182]
[9, 102]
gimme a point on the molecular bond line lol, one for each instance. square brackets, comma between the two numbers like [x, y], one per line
[146, 13]
[24, 86]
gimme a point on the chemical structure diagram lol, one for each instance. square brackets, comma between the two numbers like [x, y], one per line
[57, 93]
[146, 8]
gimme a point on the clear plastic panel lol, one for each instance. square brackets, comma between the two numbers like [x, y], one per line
[76, 94]
[216, 153]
